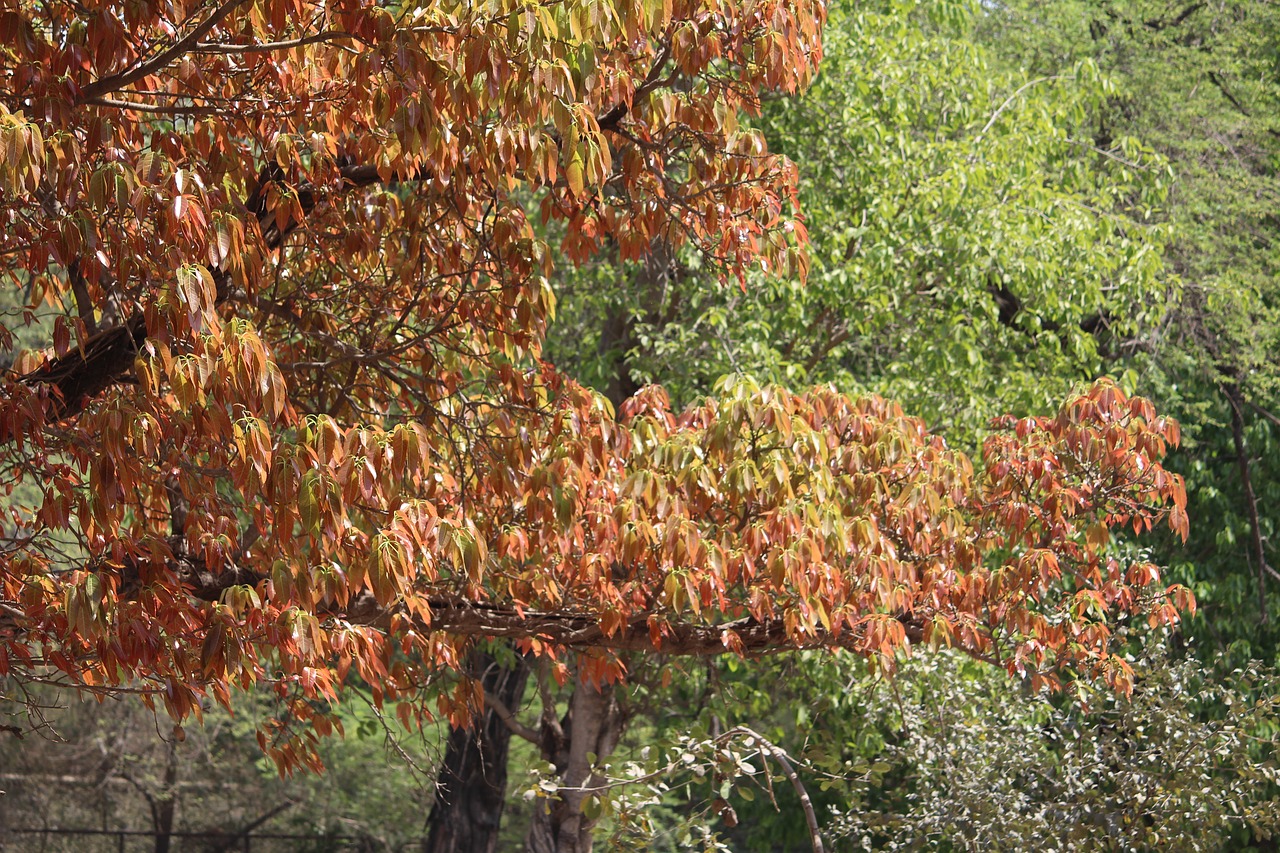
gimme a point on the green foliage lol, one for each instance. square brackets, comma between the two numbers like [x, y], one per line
[1185, 764]
[968, 259]
[1200, 83]
[949, 754]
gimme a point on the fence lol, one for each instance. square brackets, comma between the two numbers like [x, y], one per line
[48, 840]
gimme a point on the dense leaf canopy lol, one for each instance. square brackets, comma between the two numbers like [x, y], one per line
[292, 424]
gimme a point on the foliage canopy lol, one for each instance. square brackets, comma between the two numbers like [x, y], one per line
[293, 418]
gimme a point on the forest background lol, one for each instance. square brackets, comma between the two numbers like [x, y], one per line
[1005, 201]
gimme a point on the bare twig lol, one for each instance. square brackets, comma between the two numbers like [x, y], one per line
[1236, 398]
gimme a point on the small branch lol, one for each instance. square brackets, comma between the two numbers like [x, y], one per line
[1008, 101]
[268, 47]
[780, 756]
[509, 719]
[240, 836]
[1160, 23]
[1222, 87]
[159, 109]
[1266, 414]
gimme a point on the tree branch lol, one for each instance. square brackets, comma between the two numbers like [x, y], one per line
[159, 109]
[611, 119]
[268, 47]
[186, 43]
[1266, 414]
[107, 358]
[80, 288]
[481, 620]
[1160, 23]
[509, 720]
[1217, 80]
[1236, 399]
[780, 756]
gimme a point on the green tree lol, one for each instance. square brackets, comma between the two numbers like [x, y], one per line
[1200, 83]
[972, 252]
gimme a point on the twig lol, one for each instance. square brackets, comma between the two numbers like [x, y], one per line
[1017, 93]
[1236, 398]
[780, 756]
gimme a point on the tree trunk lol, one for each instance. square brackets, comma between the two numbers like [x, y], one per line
[593, 724]
[472, 786]
[165, 804]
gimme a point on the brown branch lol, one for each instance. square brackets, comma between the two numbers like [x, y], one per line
[509, 720]
[614, 117]
[159, 109]
[186, 43]
[1161, 23]
[1265, 413]
[267, 47]
[566, 629]
[780, 756]
[240, 836]
[107, 358]
[1217, 80]
[80, 288]
[85, 372]
[1236, 399]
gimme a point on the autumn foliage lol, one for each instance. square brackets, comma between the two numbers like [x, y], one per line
[291, 423]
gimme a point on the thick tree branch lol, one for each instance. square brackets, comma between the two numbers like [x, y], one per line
[80, 288]
[107, 358]
[565, 629]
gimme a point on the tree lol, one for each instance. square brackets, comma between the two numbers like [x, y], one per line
[1198, 83]
[294, 420]
[973, 253]
[966, 256]
[967, 763]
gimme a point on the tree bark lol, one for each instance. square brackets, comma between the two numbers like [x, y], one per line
[587, 735]
[165, 803]
[472, 786]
